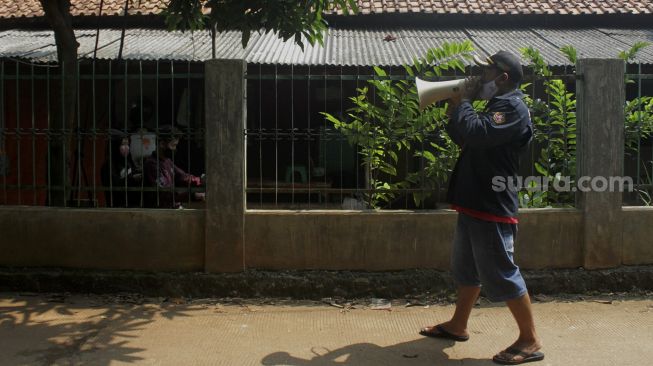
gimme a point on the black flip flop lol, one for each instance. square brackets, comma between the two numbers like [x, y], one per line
[442, 333]
[527, 357]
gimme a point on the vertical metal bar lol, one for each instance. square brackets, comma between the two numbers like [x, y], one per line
[140, 96]
[369, 166]
[2, 130]
[649, 170]
[18, 134]
[110, 203]
[126, 122]
[172, 114]
[534, 97]
[260, 137]
[188, 128]
[639, 122]
[340, 136]
[390, 176]
[292, 133]
[276, 136]
[64, 140]
[156, 129]
[48, 132]
[422, 188]
[309, 135]
[326, 136]
[94, 132]
[550, 133]
[426, 136]
[33, 137]
[357, 166]
[79, 139]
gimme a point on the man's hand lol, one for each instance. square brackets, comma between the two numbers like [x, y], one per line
[471, 88]
[452, 104]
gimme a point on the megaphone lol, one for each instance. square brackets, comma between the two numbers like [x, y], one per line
[430, 92]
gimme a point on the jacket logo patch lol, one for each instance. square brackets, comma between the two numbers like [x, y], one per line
[499, 118]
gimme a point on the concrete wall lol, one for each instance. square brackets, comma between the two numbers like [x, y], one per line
[174, 240]
[396, 240]
[637, 235]
[149, 240]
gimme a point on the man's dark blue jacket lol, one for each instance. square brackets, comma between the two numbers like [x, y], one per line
[491, 142]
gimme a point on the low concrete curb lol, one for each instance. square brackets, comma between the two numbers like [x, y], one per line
[307, 284]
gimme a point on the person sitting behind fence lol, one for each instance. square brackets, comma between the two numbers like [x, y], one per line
[118, 173]
[160, 171]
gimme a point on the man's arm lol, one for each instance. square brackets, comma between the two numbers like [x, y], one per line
[184, 178]
[487, 129]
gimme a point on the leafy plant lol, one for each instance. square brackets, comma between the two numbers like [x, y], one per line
[554, 123]
[645, 194]
[533, 197]
[289, 18]
[639, 122]
[631, 53]
[392, 124]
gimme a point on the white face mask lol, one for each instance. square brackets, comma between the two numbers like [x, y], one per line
[488, 90]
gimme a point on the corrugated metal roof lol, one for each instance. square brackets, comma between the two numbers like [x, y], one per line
[342, 47]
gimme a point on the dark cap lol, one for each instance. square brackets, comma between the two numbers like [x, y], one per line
[505, 61]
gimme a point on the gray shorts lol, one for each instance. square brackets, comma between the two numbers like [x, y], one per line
[482, 255]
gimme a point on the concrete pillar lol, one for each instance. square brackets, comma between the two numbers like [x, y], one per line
[600, 153]
[225, 91]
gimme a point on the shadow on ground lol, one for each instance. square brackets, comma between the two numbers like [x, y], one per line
[420, 352]
[48, 331]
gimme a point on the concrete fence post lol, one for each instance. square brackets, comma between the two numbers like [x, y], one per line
[600, 154]
[225, 108]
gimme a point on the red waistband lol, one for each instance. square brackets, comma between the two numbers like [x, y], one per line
[485, 216]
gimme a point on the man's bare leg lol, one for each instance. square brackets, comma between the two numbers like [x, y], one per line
[467, 296]
[528, 341]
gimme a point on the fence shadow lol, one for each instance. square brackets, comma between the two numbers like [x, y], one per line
[47, 331]
[419, 352]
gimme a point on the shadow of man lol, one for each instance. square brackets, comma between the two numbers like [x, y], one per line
[418, 352]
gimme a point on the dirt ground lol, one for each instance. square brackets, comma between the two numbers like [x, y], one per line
[72, 329]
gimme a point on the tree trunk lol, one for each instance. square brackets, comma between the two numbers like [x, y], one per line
[57, 13]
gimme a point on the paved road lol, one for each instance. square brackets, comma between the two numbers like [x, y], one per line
[80, 330]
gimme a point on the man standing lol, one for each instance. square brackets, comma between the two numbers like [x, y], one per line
[482, 254]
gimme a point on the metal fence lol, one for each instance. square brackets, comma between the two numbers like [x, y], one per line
[125, 113]
[296, 157]
[638, 152]
[299, 159]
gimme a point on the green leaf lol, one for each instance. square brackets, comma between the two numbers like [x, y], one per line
[570, 52]
[540, 169]
[428, 155]
[379, 71]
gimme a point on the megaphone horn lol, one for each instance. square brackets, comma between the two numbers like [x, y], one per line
[430, 92]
